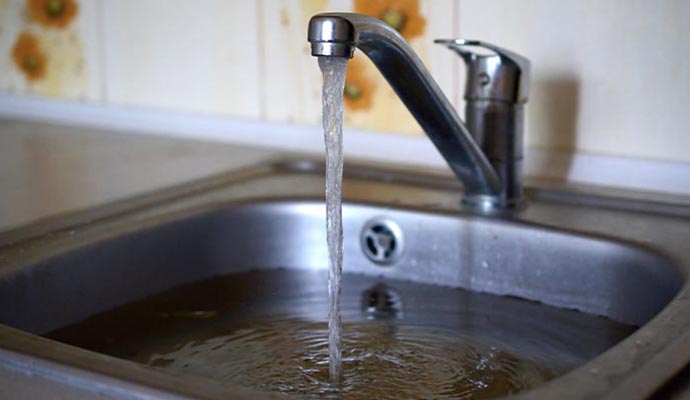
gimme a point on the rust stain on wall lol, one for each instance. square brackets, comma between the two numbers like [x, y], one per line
[52, 13]
[284, 17]
[28, 56]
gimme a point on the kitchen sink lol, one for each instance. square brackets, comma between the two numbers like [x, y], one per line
[619, 255]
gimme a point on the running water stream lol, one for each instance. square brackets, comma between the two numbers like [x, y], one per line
[333, 69]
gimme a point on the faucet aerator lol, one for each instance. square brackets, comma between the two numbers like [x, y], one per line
[332, 49]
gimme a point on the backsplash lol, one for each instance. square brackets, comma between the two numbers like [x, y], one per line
[43, 50]
[609, 77]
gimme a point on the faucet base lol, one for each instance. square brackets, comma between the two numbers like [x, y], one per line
[492, 205]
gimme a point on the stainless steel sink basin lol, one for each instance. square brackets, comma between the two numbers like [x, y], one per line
[622, 256]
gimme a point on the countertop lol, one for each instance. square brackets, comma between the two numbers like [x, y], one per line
[46, 169]
[51, 169]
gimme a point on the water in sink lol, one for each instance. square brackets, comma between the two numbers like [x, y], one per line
[268, 330]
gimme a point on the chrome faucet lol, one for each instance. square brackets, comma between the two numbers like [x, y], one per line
[487, 156]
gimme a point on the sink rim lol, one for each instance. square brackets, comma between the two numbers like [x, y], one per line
[112, 213]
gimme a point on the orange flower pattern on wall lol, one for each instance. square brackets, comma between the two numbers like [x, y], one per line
[359, 86]
[30, 51]
[52, 13]
[402, 15]
[28, 57]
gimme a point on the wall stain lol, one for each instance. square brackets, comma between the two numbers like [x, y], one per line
[52, 13]
[284, 17]
[28, 56]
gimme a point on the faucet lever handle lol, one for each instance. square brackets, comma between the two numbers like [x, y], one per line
[503, 76]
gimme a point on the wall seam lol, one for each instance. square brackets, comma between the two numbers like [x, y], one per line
[102, 54]
[260, 56]
[456, 63]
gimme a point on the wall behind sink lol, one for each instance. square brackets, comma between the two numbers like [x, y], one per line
[610, 77]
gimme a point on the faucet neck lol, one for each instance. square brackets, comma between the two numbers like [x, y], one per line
[336, 34]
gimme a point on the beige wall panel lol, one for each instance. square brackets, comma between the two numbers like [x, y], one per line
[609, 77]
[192, 56]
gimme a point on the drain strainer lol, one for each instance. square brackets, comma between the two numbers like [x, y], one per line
[382, 241]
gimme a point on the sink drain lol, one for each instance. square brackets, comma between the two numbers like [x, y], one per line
[382, 241]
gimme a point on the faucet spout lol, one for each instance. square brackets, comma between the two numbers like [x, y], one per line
[337, 35]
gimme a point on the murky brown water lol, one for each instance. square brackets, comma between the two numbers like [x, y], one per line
[268, 330]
